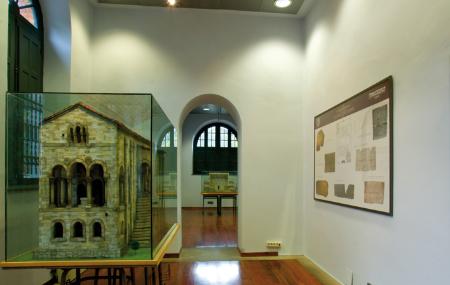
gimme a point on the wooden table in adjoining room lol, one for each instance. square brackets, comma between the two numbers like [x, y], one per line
[219, 196]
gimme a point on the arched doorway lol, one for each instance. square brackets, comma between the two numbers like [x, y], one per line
[210, 129]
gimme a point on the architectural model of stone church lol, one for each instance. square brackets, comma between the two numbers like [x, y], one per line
[94, 170]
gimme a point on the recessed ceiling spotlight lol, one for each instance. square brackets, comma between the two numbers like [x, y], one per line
[171, 2]
[283, 3]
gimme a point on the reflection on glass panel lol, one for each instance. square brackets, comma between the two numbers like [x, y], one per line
[175, 139]
[80, 181]
[29, 15]
[164, 167]
[211, 136]
[166, 140]
[201, 140]
[31, 144]
[170, 138]
[234, 141]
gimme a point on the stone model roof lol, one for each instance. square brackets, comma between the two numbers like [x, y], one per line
[91, 110]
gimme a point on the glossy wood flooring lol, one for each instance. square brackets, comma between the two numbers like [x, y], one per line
[260, 272]
[254, 272]
[209, 230]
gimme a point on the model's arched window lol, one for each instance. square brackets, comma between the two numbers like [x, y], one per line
[78, 230]
[58, 230]
[169, 139]
[27, 9]
[59, 187]
[97, 229]
[215, 149]
[79, 181]
[98, 185]
[78, 135]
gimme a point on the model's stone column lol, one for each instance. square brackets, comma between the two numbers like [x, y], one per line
[69, 192]
[62, 193]
[51, 194]
[105, 188]
[89, 191]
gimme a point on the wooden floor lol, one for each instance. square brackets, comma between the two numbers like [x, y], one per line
[261, 272]
[209, 230]
[255, 272]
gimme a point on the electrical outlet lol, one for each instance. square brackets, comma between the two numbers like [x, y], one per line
[273, 244]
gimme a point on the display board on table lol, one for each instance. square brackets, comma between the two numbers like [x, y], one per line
[353, 151]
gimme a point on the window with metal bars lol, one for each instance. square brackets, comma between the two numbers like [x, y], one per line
[24, 121]
[31, 143]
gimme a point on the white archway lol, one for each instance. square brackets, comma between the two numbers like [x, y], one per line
[211, 99]
[232, 110]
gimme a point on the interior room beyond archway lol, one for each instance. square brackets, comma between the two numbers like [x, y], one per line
[209, 178]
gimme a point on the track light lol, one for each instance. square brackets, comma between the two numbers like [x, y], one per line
[283, 3]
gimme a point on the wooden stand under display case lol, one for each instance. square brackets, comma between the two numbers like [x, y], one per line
[115, 268]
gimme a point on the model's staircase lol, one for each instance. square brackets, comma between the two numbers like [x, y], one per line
[142, 227]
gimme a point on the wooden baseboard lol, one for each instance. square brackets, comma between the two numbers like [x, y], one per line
[257, 254]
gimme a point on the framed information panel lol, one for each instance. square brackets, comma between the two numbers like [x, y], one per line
[353, 151]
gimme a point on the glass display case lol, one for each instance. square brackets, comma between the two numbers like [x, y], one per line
[217, 187]
[87, 177]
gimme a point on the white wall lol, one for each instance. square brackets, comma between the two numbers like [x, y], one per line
[352, 44]
[81, 19]
[191, 191]
[254, 61]
[57, 45]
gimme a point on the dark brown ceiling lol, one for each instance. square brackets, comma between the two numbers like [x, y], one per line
[266, 6]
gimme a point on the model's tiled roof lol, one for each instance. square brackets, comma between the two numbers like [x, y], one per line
[90, 109]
